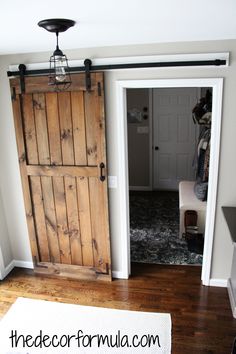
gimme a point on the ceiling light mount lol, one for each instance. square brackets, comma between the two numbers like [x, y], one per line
[59, 70]
[56, 25]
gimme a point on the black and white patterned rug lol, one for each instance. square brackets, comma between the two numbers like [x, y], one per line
[154, 230]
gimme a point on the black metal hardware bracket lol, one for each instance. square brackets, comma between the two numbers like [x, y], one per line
[215, 62]
[102, 177]
[99, 89]
[22, 70]
[87, 64]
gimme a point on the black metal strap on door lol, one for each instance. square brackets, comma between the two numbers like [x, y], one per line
[87, 64]
[22, 70]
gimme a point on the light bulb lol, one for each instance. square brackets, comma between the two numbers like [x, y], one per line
[60, 70]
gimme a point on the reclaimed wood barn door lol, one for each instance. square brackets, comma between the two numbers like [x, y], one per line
[62, 157]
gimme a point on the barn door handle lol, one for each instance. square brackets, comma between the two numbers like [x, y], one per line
[102, 177]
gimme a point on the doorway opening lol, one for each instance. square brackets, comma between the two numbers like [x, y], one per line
[217, 87]
[169, 132]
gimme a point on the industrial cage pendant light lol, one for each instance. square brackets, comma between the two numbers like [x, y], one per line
[59, 76]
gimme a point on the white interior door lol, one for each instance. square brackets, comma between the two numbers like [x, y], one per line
[174, 136]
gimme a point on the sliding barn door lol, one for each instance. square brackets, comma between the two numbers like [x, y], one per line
[62, 157]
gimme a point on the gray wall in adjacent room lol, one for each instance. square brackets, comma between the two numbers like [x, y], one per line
[138, 140]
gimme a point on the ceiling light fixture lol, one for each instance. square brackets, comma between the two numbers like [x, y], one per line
[59, 76]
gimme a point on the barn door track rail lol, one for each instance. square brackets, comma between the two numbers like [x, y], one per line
[88, 67]
[215, 62]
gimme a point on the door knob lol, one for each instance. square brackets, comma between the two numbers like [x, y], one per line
[156, 147]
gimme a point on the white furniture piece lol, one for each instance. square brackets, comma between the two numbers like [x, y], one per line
[189, 201]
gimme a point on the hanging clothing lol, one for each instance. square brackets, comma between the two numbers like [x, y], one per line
[202, 114]
[203, 158]
[203, 155]
[206, 163]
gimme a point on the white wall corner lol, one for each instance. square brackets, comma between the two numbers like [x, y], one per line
[8, 269]
[12, 265]
[218, 282]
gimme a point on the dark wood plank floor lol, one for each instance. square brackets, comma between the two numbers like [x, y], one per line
[201, 316]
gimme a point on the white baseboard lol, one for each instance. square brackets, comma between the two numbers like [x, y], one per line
[218, 282]
[118, 275]
[232, 298]
[23, 264]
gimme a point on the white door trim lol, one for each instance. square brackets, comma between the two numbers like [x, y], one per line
[121, 86]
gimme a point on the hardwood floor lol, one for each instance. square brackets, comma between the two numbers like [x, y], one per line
[202, 321]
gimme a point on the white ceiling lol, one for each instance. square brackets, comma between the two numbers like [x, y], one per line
[114, 22]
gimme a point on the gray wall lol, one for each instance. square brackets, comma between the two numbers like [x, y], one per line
[10, 178]
[138, 142]
[4, 239]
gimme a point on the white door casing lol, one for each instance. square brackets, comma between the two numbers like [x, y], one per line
[174, 136]
[121, 86]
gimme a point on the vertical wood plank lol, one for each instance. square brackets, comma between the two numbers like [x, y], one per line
[98, 189]
[24, 178]
[53, 128]
[91, 127]
[68, 156]
[67, 144]
[85, 221]
[41, 128]
[73, 221]
[103, 187]
[99, 234]
[29, 129]
[50, 219]
[78, 119]
[44, 159]
[40, 224]
[62, 226]
[100, 121]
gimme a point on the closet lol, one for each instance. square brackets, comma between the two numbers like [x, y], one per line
[193, 194]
